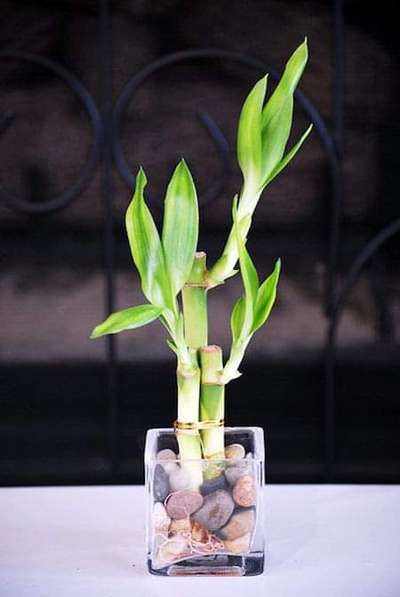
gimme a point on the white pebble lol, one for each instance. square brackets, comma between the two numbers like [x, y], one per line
[179, 479]
[161, 520]
[167, 458]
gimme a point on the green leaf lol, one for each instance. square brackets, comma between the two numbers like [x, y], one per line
[146, 248]
[249, 132]
[288, 157]
[287, 84]
[275, 136]
[237, 318]
[249, 277]
[278, 112]
[180, 226]
[266, 297]
[127, 319]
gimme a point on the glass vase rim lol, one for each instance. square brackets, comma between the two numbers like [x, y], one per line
[257, 457]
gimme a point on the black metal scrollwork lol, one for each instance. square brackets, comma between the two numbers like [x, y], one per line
[106, 143]
[87, 170]
[220, 142]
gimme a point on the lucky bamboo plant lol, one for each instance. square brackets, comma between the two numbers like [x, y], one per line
[175, 278]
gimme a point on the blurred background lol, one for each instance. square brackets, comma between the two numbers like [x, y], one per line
[87, 94]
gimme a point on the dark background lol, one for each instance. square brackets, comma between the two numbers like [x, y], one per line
[323, 377]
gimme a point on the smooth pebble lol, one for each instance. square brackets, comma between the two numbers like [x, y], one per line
[239, 545]
[179, 479]
[244, 491]
[161, 520]
[160, 483]
[216, 510]
[234, 452]
[241, 468]
[167, 458]
[239, 524]
[183, 503]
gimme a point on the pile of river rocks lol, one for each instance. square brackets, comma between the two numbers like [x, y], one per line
[217, 517]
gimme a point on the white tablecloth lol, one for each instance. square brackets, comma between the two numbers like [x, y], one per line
[323, 541]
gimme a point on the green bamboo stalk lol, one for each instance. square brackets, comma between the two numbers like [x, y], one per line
[212, 406]
[188, 378]
[224, 267]
[194, 301]
[195, 316]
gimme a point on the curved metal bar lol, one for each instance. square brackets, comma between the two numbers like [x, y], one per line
[5, 121]
[329, 407]
[85, 173]
[111, 343]
[330, 353]
[222, 146]
[364, 255]
[133, 83]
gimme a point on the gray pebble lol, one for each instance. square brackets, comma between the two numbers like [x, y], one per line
[160, 484]
[216, 510]
[233, 473]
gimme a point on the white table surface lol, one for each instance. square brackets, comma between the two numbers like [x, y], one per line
[339, 541]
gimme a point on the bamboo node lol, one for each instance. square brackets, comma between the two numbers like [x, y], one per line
[194, 426]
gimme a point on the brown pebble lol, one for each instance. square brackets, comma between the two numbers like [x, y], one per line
[234, 452]
[239, 545]
[183, 503]
[239, 524]
[244, 492]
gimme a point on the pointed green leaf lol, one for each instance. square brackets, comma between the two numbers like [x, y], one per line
[287, 85]
[275, 136]
[146, 248]
[278, 112]
[288, 157]
[127, 319]
[249, 132]
[237, 318]
[249, 277]
[266, 297]
[180, 226]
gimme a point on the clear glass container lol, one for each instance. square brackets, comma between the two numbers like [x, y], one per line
[215, 524]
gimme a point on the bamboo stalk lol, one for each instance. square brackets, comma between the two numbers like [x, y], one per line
[194, 300]
[224, 266]
[188, 378]
[212, 406]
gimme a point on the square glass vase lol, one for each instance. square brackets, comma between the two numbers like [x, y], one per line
[205, 516]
